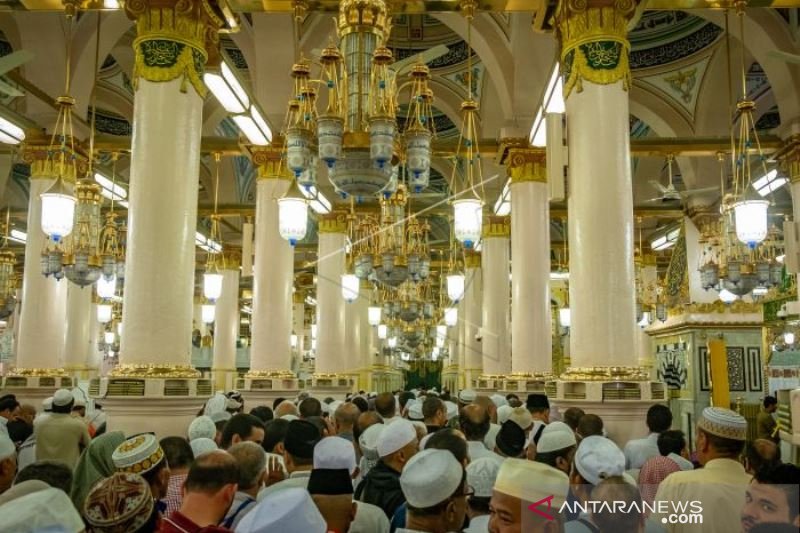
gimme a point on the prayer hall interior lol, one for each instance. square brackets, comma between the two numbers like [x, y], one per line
[505, 250]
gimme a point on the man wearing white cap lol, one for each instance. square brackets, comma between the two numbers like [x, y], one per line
[557, 447]
[288, 511]
[722, 482]
[61, 437]
[8, 462]
[396, 445]
[521, 487]
[466, 397]
[481, 476]
[332, 454]
[435, 487]
[596, 459]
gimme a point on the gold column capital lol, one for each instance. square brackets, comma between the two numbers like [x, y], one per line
[495, 226]
[789, 157]
[702, 215]
[269, 161]
[527, 164]
[334, 222]
[45, 162]
[174, 38]
[472, 259]
[594, 42]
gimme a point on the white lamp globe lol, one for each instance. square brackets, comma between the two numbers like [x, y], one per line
[468, 220]
[212, 285]
[292, 218]
[106, 288]
[565, 317]
[208, 313]
[109, 337]
[727, 296]
[392, 342]
[58, 211]
[751, 221]
[451, 316]
[788, 337]
[374, 315]
[382, 331]
[350, 286]
[455, 287]
[104, 313]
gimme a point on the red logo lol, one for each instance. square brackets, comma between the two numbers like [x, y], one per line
[548, 500]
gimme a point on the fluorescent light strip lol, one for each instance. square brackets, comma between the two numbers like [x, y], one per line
[10, 133]
[18, 236]
[224, 94]
[317, 200]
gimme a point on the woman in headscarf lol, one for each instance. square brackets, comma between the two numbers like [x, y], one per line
[94, 464]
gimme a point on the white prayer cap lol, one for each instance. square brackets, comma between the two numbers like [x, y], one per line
[290, 417]
[396, 435]
[522, 417]
[368, 441]
[498, 400]
[415, 411]
[723, 423]
[531, 481]
[335, 453]
[289, 511]
[48, 509]
[63, 397]
[430, 477]
[202, 426]
[220, 416]
[47, 403]
[503, 412]
[599, 458]
[482, 474]
[7, 448]
[424, 441]
[215, 404]
[556, 436]
[467, 396]
[202, 445]
[452, 409]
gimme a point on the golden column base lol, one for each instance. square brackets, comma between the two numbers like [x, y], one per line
[606, 373]
[154, 371]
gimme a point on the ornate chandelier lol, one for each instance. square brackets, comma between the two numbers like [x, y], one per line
[215, 259]
[357, 135]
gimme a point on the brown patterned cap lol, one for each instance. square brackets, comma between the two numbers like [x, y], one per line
[723, 423]
[119, 504]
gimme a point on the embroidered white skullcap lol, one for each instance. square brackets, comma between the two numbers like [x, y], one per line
[415, 411]
[7, 448]
[202, 426]
[531, 481]
[396, 435]
[555, 436]
[599, 458]
[139, 454]
[451, 409]
[48, 509]
[430, 477]
[63, 397]
[220, 416]
[202, 445]
[467, 396]
[498, 400]
[723, 423]
[335, 453]
[522, 417]
[289, 510]
[503, 413]
[482, 474]
[368, 441]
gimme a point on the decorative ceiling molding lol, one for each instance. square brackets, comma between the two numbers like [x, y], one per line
[680, 86]
[664, 37]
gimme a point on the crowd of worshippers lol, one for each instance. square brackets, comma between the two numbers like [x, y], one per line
[413, 461]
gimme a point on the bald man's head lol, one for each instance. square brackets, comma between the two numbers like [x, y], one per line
[211, 472]
[385, 405]
[760, 454]
[286, 407]
[346, 416]
[475, 422]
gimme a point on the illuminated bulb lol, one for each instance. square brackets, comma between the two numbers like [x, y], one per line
[727, 296]
[565, 317]
[104, 313]
[451, 316]
[382, 331]
[208, 313]
[788, 337]
[212, 285]
[109, 337]
[455, 287]
[106, 288]
[374, 315]
[392, 342]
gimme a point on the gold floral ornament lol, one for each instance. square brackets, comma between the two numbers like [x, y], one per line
[594, 43]
[154, 371]
[37, 373]
[604, 373]
[173, 39]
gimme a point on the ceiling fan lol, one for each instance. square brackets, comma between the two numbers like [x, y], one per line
[7, 64]
[669, 193]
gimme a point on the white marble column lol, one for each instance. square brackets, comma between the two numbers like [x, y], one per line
[226, 328]
[473, 303]
[495, 330]
[356, 334]
[461, 351]
[78, 342]
[273, 271]
[42, 325]
[531, 339]
[331, 316]
[298, 322]
[602, 295]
